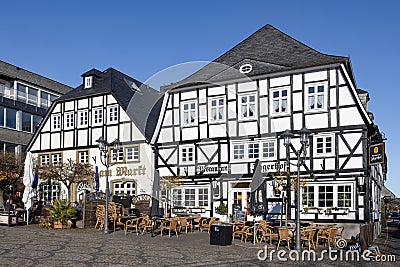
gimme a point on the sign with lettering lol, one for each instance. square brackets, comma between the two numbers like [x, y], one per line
[376, 154]
[213, 169]
[125, 171]
[274, 166]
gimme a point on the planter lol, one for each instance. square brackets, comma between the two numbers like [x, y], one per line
[337, 211]
[57, 225]
[312, 211]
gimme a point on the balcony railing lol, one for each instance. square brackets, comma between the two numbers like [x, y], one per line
[14, 94]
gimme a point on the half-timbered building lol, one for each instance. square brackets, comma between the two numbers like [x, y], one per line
[216, 123]
[107, 104]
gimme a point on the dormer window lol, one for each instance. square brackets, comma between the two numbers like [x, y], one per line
[88, 82]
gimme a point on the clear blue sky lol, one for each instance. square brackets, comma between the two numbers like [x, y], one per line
[63, 39]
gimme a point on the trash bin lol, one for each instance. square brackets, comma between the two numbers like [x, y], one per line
[221, 234]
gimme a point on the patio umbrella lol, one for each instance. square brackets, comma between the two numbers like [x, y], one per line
[96, 178]
[257, 187]
[28, 179]
[155, 197]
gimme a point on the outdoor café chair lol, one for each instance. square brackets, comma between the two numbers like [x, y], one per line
[326, 236]
[100, 211]
[184, 223]
[132, 224]
[267, 231]
[307, 236]
[206, 224]
[170, 225]
[283, 234]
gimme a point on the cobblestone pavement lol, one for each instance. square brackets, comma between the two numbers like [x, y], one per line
[33, 246]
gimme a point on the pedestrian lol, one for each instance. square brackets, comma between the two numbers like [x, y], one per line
[79, 210]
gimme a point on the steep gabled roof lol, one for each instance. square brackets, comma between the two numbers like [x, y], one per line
[138, 100]
[18, 73]
[268, 50]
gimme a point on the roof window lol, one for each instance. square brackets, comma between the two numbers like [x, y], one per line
[245, 68]
[88, 82]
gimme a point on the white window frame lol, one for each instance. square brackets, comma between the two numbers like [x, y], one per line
[246, 146]
[262, 148]
[249, 106]
[97, 115]
[324, 138]
[83, 118]
[179, 197]
[335, 192]
[83, 156]
[315, 96]
[281, 98]
[190, 112]
[121, 187]
[255, 148]
[134, 154]
[69, 120]
[44, 159]
[88, 82]
[56, 158]
[120, 155]
[56, 122]
[236, 148]
[217, 109]
[113, 113]
[185, 154]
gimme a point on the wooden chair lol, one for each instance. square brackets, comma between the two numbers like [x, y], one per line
[100, 211]
[247, 232]
[170, 225]
[146, 224]
[326, 236]
[184, 223]
[237, 229]
[132, 224]
[265, 232]
[196, 222]
[206, 224]
[283, 235]
[307, 236]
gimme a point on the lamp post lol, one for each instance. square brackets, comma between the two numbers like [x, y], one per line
[301, 154]
[104, 157]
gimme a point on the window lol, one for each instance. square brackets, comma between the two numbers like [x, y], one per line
[316, 97]
[69, 120]
[56, 121]
[1, 116]
[308, 196]
[189, 113]
[190, 197]
[268, 149]
[83, 156]
[247, 106]
[125, 188]
[238, 151]
[324, 144]
[279, 101]
[32, 96]
[44, 159]
[187, 154]
[98, 116]
[237, 198]
[246, 68]
[253, 151]
[177, 200]
[117, 155]
[83, 117]
[325, 196]
[11, 118]
[88, 82]
[50, 192]
[344, 196]
[113, 113]
[44, 99]
[56, 158]
[203, 197]
[36, 122]
[26, 122]
[132, 153]
[217, 109]
[21, 93]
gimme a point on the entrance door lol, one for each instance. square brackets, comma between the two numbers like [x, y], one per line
[240, 202]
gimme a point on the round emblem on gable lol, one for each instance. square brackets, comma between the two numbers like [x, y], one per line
[376, 150]
[245, 68]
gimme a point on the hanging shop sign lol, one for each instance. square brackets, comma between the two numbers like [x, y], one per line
[376, 154]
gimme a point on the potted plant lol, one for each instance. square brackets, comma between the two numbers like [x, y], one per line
[312, 210]
[61, 213]
[222, 210]
[336, 210]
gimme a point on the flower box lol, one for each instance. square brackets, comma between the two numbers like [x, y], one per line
[312, 210]
[340, 211]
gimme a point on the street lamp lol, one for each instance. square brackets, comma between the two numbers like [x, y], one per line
[104, 157]
[301, 154]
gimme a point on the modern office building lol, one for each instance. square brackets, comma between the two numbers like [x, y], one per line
[24, 100]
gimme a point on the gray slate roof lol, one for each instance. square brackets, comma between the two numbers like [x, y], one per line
[268, 50]
[18, 73]
[141, 102]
